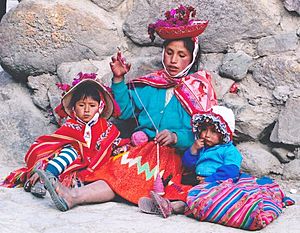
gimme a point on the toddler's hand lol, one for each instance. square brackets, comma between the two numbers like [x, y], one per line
[198, 144]
[201, 179]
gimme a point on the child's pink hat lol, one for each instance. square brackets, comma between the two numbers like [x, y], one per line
[110, 108]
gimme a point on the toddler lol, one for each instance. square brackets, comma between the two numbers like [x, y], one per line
[212, 157]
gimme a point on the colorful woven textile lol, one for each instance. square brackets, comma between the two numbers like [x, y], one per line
[195, 91]
[249, 203]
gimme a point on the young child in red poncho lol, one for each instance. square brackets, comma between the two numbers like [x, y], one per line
[80, 146]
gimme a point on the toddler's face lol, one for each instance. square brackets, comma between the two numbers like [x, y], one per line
[210, 135]
[86, 108]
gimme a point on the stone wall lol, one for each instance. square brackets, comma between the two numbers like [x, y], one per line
[253, 44]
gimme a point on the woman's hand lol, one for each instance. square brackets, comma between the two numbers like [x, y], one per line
[165, 138]
[198, 144]
[119, 67]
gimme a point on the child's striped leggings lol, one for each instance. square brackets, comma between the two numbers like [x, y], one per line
[60, 163]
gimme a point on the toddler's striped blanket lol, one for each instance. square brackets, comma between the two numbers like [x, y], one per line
[249, 203]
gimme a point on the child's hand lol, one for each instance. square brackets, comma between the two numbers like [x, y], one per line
[119, 67]
[198, 144]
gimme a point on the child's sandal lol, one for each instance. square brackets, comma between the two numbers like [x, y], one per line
[51, 183]
[38, 190]
[27, 186]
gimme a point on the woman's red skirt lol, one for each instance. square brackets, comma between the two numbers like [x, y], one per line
[131, 175]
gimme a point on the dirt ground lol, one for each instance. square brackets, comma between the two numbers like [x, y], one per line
[21, 212]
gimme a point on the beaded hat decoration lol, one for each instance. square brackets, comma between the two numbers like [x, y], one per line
[107, 108]
[178, 24]
[221, 117]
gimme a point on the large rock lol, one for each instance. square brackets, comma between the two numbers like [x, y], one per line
[254, 109]
[108, 5]
[38, 35]
[292, 5]
[255, 93]
[273, 71]
[291, 170]
[282, 154]
[276, 44]
[235, 65]
[211, 62]
[257, 160]
[45, 92]
[287, 127]
[21, 121]
[254, 120]
[282, 94]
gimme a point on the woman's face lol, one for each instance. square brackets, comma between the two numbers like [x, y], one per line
[176, 57]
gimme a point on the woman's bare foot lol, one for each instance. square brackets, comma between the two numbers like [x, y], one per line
[96, 192]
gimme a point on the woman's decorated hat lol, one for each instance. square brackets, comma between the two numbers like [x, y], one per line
[178, 24]
[221, 117]
[110, 106]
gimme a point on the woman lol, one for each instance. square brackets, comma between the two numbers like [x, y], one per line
[163, 103]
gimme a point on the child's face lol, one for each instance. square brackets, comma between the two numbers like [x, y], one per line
[210, 135]
[86, 108]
